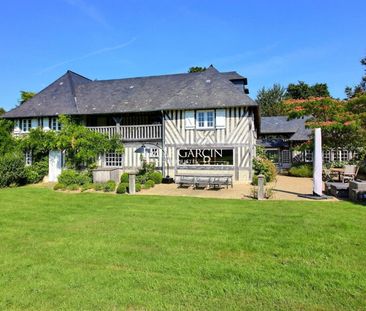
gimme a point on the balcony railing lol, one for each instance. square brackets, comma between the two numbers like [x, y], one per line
[131, 132]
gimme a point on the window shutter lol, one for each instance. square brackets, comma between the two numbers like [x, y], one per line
[189, 119]
[220, 118]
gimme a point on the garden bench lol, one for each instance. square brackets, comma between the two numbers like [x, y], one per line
[185, 181]
[202, 181]
[218, 182]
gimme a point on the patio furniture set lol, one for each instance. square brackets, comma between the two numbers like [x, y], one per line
[346, 186]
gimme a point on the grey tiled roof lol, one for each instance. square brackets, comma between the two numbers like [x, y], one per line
[281, 125]
[73, 94]
[57, 98]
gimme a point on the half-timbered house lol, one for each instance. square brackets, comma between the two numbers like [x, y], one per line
[189, 123]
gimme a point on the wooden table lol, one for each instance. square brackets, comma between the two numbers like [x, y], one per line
[339, 171]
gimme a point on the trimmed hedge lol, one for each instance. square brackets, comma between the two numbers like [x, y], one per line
[124, 178]
[122, 188]
[59, 186]
[149, 184]
[157, 177]
[303, 170]
[72, 177]
[138, 187]
[109, 186]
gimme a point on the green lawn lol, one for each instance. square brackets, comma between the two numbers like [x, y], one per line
[99, 251]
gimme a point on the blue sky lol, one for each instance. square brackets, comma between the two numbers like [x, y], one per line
[266, 41]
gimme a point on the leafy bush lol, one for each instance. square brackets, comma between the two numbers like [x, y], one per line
[87, 187]
[141, 178]
[157, 177]
[124, 178]
[12, 170]
[31, 175]
[72, 187]
[109, 186]
[149, 184]
[99, 186]
[303, 170]
[122, 188]
[72, 177]
[59, 186]
[34, 173]
[264, 166]
[138, 187]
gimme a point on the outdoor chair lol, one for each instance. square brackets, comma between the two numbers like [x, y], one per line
[350, 173]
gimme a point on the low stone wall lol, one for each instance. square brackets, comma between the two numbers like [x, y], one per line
[105, 174]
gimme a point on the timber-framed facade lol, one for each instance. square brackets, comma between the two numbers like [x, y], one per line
[202, 123]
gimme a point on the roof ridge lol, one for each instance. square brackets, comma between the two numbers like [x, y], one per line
[72, 87]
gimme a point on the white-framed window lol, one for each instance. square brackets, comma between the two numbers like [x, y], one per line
[336, 155]
[327, 156]
[25, 125]
[113, 159]
[154, 153]
[28, 158]
[205, 119]
[55, 124]
[308, 156]
[344, 155]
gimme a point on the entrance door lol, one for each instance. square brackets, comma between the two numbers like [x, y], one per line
[55, 165]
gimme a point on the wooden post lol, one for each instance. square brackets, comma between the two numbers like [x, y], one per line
[131, 183]
[260, 187]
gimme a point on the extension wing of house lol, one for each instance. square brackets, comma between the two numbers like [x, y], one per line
[191, 123]
[280, 137]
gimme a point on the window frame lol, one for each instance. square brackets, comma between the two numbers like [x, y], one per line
[203, 124]
[25, 125]
[113, 159]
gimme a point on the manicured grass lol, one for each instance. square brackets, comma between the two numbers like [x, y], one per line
[96, 251]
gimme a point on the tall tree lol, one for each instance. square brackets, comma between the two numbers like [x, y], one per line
[2, 111]
[270, 100]
[302, 90]
[25, 95]
[361, 87]
[196, 69]
[342, 122]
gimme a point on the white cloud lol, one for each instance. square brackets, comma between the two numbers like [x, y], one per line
[87, 55]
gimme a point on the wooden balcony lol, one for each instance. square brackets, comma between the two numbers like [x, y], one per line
[131, 132]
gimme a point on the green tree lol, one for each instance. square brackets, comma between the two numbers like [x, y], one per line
[196, 69]
[342, 122]
[39, 142]
[302, 90]
[7, 141]
[361, 87]
[83, 146]
[2, 111]
[270, 100]
[25, 95]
